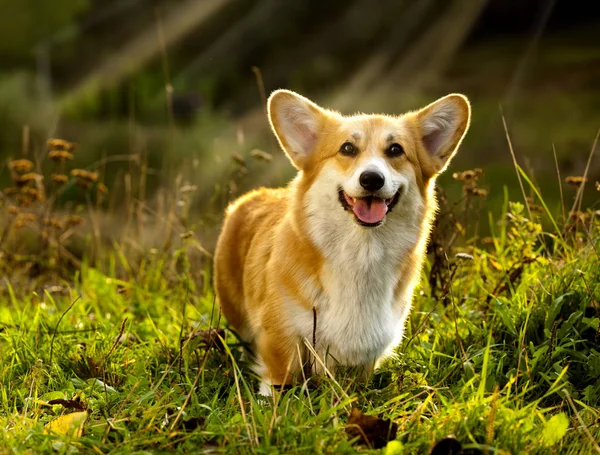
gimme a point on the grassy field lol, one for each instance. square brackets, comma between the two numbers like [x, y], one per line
[116, 350]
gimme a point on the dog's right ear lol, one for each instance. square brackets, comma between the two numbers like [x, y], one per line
[297, 122]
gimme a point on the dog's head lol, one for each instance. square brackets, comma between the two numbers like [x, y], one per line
[367, 164]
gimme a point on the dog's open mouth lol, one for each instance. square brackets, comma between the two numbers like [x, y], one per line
[368, 211]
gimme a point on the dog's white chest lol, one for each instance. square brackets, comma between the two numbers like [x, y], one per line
[357, 316]
[358, 336]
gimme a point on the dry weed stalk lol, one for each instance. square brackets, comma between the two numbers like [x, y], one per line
[34, 238]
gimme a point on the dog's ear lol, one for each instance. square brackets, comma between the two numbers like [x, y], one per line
[442, 126]
[297, 122]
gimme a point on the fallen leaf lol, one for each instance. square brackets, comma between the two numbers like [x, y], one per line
[103, 386]
[69, 404]
[209, 338]
[394, 448]
[446, 446]
[371, 430]
[575, 180]
[68, 424]
[555, 429]
[193, 423]
[495, 264]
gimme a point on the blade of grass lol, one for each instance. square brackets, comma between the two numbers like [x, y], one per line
[560, 187]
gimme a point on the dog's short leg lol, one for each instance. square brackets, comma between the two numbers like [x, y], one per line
[279, 358]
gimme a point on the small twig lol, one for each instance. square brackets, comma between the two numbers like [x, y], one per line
[110, 351]
[314, 334]
[579, 195]
[514, 159]
[458, 339]
[200, 370]
[114, 345]
[181, 340]
[56, 328]
[443, 295]
[328, 373]
[263, 99]
[261, 85]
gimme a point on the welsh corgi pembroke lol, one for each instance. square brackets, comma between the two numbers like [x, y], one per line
[328, 264]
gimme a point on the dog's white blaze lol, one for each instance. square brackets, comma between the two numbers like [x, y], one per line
[393, 179]
[358, 319]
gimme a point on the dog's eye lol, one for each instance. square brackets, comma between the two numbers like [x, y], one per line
[395, 150]
[348, 149]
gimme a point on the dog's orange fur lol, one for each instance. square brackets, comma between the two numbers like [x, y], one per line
[266, 251]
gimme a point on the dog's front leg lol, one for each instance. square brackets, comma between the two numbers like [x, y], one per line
[279, 364]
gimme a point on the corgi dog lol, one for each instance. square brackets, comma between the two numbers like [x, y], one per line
[328, 264]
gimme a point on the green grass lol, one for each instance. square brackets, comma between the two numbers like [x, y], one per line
[506, 358]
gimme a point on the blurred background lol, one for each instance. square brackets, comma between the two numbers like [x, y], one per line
[166, 98]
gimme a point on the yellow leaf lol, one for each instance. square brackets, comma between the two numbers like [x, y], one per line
[495, 264]
[69, 424]
[555, 429]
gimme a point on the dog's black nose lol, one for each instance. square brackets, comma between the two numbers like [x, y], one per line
[371, 180]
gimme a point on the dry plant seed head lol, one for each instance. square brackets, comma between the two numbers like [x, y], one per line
[29, 177]
[238, 159]
[261, 155]
[468, 176]
[21, 166]
[24, 201]
[11, 191]
[60, 155]
[476, 191]
[27, 217]
[102, 188]
[597, 186]
[465, 256]
[59, 178]
[86, 185]
[54, 223]
[74, 220]
[186, 235]
[85, 175]
[579, 215]
[61, 144]
[533, 206]
[536, 208]
[187, 189]
[577, 180]
[33, 193]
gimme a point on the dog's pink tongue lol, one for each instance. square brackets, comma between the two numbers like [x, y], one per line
[370, 210]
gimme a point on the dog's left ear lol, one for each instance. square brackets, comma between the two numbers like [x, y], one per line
[442, 125]
[297, 123]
